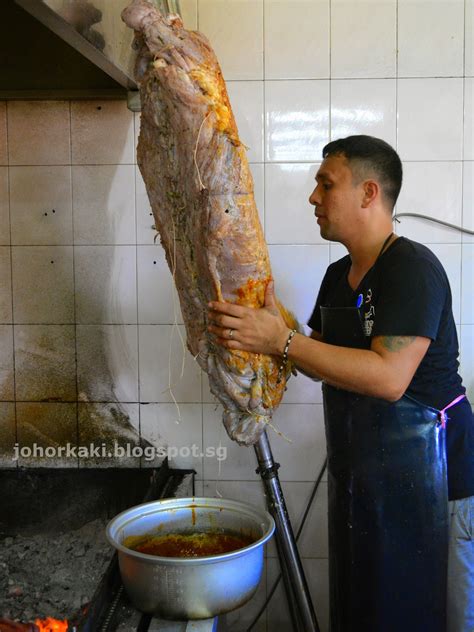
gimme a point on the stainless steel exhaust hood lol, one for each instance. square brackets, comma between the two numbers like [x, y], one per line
[52, 49]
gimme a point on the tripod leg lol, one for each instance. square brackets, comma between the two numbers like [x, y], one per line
[299, 592]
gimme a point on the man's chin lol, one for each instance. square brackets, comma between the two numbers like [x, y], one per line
[325, 234]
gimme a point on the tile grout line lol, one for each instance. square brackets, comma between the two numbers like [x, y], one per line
[396, 74]
[264, 130]
[137, 281]
[74, 278]
[15, 413]
[330, 97]
[74, 281]
[463, 166]
[251, 162]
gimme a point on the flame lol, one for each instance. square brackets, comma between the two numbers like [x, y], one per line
[51, 625]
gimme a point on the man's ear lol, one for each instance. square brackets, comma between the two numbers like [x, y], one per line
[371, 191]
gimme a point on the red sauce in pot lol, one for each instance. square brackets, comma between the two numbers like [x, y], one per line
[188, 544]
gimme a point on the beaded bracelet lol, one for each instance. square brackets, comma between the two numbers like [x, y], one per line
[284, 358]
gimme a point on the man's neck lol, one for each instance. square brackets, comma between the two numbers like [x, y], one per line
[365, 252]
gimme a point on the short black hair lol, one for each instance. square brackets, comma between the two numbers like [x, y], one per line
[370, 155]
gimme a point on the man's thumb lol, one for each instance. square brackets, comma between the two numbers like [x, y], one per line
[270, 300]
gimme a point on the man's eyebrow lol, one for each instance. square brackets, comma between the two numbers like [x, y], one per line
[322, 175]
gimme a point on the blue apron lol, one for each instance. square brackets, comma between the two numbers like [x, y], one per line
[388, 502]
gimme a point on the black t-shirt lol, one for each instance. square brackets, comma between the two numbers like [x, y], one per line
[407, 293]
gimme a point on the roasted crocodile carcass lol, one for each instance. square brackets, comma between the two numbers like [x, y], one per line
[201, 192]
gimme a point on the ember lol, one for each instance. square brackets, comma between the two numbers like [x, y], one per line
[51, 625]
[41, 625]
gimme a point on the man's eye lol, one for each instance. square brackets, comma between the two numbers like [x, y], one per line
[326, 187]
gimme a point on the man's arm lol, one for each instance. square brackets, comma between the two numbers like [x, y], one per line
[384, 371]
[315, 335]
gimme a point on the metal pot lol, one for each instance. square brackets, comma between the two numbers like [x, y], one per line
[191, 588]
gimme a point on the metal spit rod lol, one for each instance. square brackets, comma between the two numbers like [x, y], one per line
[292, 570]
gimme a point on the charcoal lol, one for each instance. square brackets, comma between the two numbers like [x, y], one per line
[52, 575]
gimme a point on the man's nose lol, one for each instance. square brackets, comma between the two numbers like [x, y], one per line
[314, 197]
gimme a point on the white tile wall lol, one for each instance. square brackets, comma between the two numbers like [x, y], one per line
[104, 204]
[45, 363]
[289, 215]
[302, 427]
[468, 199]
[178, 428]
[168, 372]
[189, 13]
[94, 326]
[467, 358]
[4, 207]
[107, 363]
[450, 257]
[298, 272]
[39, 133]
[3, 134]
[430, 119]
[43, 284]
[101, 133]
[239, 50]
[468, 118]
[46, 424]
[467, 298]
[158, 302]
[297, 120]
[433, 189]
[5, 285]
[247, 104]
[97, 423]
[313, 539]
[146, 232]
[302, 27]
[240, 462]
[41, 206]
[363, 40]
[469, 39]
[7, 384]
[7, 433]
[106, 284]
[364, 106]
[430, 38]
[258, 175]
[316, 571]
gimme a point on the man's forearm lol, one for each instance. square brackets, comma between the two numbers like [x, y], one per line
[359, 370]
[299, 369]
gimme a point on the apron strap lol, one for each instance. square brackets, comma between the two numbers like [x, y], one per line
[442, 413]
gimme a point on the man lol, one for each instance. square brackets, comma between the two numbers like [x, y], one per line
[384, 343]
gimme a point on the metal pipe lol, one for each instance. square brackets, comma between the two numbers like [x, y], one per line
[289, 590]
[290, 562]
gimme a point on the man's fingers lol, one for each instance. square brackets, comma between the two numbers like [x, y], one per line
[223, 332]
[229, 344]
[270, 299]
[224, 321]
[227, 308]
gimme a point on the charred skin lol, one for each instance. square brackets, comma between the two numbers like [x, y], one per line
[200, 188]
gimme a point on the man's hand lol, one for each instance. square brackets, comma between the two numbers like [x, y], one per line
[249, 329]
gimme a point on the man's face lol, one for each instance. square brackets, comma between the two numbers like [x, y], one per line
[336, 199]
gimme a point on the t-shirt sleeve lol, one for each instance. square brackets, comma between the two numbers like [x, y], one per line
[412, 294]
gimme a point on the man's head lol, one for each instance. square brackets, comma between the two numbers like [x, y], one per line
[357, 186]
[370, 157]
